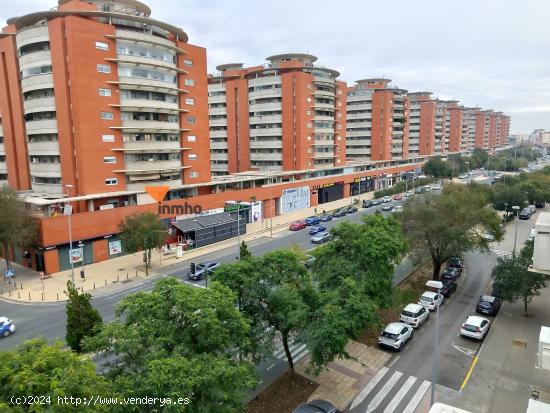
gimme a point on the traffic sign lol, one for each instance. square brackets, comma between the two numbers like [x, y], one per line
[10, 272]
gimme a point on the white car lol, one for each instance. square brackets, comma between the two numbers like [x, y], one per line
[436, 187]
[488, 237]
[414, 315]
[397, 208]
[395, 335]
[6, 326]
[475, 327]
[463, 176]
[431, 300]
[409, 193]
[387, 199]
[532, 234]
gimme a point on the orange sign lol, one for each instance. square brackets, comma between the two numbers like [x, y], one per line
[157, 192]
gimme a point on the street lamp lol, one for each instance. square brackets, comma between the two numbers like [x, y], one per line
[504, 177]
[69, 212]
[516, 208]
[505, 211]
[438, 285]
[468, 164]
[82, 245]
[270, 204]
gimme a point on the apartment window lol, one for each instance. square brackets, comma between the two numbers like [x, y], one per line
[101, 46]
[191, 119]
[192, 156]
[189, 82]
[188, 62]
[309, 125]
[309, 112]
[194, 174]
[109, 159]
[309, 99]
[309, 85]
[106, 115]
[104, 68]
[111, 181]
[191, 138]
[104, 92]
[189, 101]
[108, 138]
[339, 91]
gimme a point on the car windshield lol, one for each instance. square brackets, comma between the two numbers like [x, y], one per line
[202, 266]
[470, 327]
[408, 313]
[385, 334]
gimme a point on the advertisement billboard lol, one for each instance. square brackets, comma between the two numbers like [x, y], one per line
[256, 211]
[294, 199]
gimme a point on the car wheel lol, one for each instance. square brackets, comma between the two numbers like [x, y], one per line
[6, 333]
[399, 348]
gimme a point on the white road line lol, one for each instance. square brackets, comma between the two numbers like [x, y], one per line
[369, 387]
[270, 367]
[393, 361]
[417, 397]
[400, 394]
[300, 356]
[381, 395]
[296, 351]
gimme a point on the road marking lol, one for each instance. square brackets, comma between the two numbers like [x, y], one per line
[400, 394]
[465, 350]
[270, 367]
[369, 387]
[193, 284]
[381, 395]
[413, 403]
[295, 351]
[474, 362]
[393, 361]
[300, 356]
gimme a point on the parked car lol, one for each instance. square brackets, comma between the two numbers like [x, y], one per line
[449, 287]
[325, 217]
[450, 274]
[532, 208]
[367, 204]
[297, 226]
[525, 214]
[312, 220]
[409, 193]
[309, 261]
[436, 187]
[316, 229]
[199, 271]
[540, 204]
[488, 304]
[316, 406]
[419, 190]
[395, 335]
[463, 176]
[475, 327]
[387, 207]
[488, 237]
[397, 208]
[386, 199]
[455, 262]
[532, 234]
[430, 300]
[414, 315]
[398, 197]
[321, 238]
[376, 202]
[351, 209]
[6, 326]
[339, 213]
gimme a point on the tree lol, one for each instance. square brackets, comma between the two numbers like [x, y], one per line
[35, 368]
[504, 194]
[244, 253]
[179, 340]
[16, 226]
[142, 232]
[449, 224]
[514, 281]
[437, 168]
[81, 317]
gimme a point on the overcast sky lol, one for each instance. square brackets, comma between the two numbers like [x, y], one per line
[491, 53]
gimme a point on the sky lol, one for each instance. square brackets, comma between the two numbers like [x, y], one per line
[491, 53]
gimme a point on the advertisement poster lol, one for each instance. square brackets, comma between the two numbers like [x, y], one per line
[75, 255]
[294, 199]
[256, 211]
[115, 247]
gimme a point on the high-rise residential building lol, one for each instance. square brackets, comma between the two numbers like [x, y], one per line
[453, 128]
[98, 95]
[286, 115]
[3, 165]
[469, 129]
[422, 124]
[376, 121]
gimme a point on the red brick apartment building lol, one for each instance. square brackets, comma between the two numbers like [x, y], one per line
[98, 101]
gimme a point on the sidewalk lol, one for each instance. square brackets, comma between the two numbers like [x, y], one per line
[128, 271]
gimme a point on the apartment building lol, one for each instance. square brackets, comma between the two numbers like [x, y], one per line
[376, 121]
[102, 97]
[285, 115]
[454, 123]
[3, 164]
[422, 124]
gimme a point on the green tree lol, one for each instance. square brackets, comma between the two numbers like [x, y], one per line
[449, 224]
[142, 232]
[17, 228]
[35, 368]
[82, 317]
[179, 340]
[504, 194]
[244, 253]
[437, 168]
[514, 281]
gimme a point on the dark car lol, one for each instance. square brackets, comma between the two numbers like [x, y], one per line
[449, 287]
[376, 202]
[540, 204]
[368, 204]
[312, 220]
[316, 406]
[321, 238]
[455, 262]
[297, 226]
[351, 209]
[325, 218]
[316, 229]
[339, 213]
[450, 274]
[488, 304]
[199, 271]
[525, 214]
[388, 207]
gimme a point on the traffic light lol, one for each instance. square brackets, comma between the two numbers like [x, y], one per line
[192, 268]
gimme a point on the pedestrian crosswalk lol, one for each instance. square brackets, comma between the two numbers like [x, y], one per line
[390, 391]
[297, 351]
[501, 253]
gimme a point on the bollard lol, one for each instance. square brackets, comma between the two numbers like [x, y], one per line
[136, 273]
[14, 284]
[42, 296]
[30, 299]
[9, 293]
[57, 296]
[94, 285]
[21, 285]
[18, 295]
[105, 282]
[81, 289]
[126, 275]
[117, 278]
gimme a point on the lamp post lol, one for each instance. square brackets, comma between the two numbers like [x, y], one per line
[438, 285]
[468, 164]
[81, 245]
[270, 204]
[69, 212]
[504, 177]
[505, 211]
[516, 208]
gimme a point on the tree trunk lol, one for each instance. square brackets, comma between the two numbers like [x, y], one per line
[437, 269]
[147, 258]
[287, 352]
[525, 306]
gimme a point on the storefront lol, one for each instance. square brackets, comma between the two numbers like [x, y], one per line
[362, 185]
[330, 192]
[208, 229]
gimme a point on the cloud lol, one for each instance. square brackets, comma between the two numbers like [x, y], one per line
[491, 53]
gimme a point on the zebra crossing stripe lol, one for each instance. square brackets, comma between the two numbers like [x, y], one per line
[295, 351]
[400, 394]
[300, 356]
[413, 403]
[369, 387]
[381, 395]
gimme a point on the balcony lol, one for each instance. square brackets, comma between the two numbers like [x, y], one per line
[323, 142]
[43, 148]
[329, 93]
[34, 59]
[216, 99]
[147, 105]
[358, 142]
[325, 106]
[31, 35]
[148, 125]
[329, 131]
[323, 118]
[43, 81]
[359, 125]
[39, 105]
[54, 189]
[41, 126]
[321, 79]
[265, 93]
[359, 133]
[264, 81]
[141, 37]
[254, 120]
[153, 166]
[323, 155]
[217, 111]
[359, 116]
[359, 98]
[266, 132]
[3, 168]
[219, 156]
[219, 168]
[218, 145]
[218, 134]
[140, 186]
[361, 106]
[266, 156]
[151, 146]
[217, 122]
[358, 151]
[264, 107]
[146, 84]
[216, 87]
[146, 61]
[48, 169]
[267, 144]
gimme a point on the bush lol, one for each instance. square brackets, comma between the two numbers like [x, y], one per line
[400, 187]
